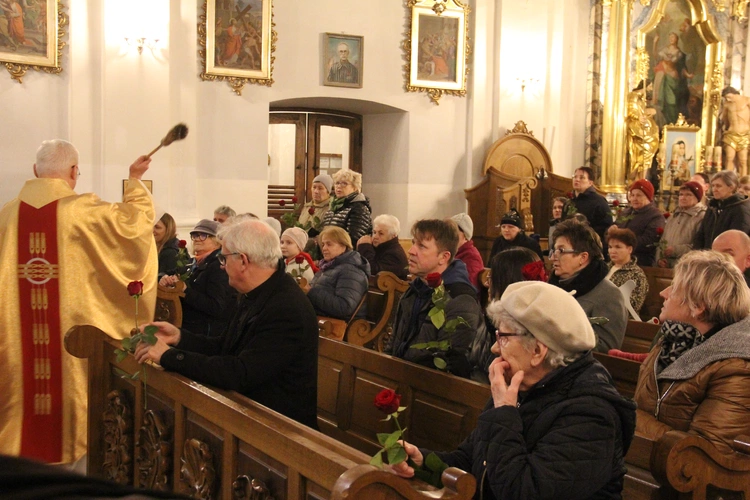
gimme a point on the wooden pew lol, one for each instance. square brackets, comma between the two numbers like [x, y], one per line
[441, 409]
[375, 329]
[168, 305]
[690, 466]
[638, 336]
[173, 434]
[658, 279]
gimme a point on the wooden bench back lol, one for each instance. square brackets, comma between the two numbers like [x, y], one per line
[176, 435]
[168, 305]
[658, 279]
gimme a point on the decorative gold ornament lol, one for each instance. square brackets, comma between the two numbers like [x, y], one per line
[520, 128]
[17, 66]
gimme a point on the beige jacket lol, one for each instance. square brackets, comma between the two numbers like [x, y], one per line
[680, 231]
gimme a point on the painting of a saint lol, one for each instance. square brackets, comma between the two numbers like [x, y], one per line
[23, 27]
[238, 40]
[677, 56]
[437, 48]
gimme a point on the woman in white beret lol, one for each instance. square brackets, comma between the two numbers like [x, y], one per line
[555, 426]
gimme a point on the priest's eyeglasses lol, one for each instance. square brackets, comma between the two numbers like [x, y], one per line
[503, 338]
[222, 257]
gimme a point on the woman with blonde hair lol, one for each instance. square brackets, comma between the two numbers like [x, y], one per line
[695, 379]
[339, 287]
[350, 209]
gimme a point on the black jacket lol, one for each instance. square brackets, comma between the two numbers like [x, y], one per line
[269, 352]
[168, 257]
[595, 207]
[388, 256]
[354, 216]
[521, 240]
[567, 438]
[645, 223]
[730, 213]
[209, 301]
[337, 290]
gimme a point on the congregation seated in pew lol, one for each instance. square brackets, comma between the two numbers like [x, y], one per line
[432, 255]
[578, 265]
[269, 352]
[338, 290]
[383, 250]
[696, 378]
[555, 427]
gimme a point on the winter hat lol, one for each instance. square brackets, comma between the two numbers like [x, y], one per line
[645, 186]
[549, 313]
[298, 236]
[465, 224]
[206, 226]
[275, 225]
[512, 217]
[326, 180]
[695, 188]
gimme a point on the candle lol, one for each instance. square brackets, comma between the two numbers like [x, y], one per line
[709, 154]
[717, 156]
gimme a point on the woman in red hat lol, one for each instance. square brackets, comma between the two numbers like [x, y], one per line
[645, 219]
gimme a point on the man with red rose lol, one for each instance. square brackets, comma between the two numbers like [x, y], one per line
[77, 254]
[434, 246]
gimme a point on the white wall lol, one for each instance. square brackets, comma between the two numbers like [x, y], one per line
[115, 104]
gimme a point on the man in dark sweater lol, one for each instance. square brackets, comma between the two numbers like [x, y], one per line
[588, 202]
[269, 352]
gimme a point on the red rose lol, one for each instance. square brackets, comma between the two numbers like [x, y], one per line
[299, 259]
[666, 215]
[135, 288]
[434, 280]
[387, 401]
[294, 199]
[616, 203]
[182, 244]
[311, 211]
[282, 203]
[659, 231]
[569, 194]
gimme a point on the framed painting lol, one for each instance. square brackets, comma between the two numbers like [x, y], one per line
[682, 150]
[31, 36]
[437, 48]
[237, 42]
[343, 60]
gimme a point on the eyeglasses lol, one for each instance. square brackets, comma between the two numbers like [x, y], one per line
[223, 257]
[341, 183]
[503, 338]
[557, 252]
[198, 236]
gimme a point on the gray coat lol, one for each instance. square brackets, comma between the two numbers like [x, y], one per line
[338, 290]
[606, 300]
[680, 230]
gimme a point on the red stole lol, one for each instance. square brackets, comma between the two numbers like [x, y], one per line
[39, 293]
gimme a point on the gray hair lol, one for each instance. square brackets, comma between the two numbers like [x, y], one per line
[552, 360]
[728, 177]
[389, 222]
[225, 210]
[55, 157]
[349, 176]
[254, 238]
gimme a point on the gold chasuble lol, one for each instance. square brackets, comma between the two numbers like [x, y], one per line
[66, 260]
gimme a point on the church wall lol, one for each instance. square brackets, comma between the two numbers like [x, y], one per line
[115, 104]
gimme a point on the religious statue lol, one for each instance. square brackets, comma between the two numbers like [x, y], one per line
[735, 123]
[643, 136]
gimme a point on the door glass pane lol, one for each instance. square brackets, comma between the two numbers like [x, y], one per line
[281, 144]
[334, 149]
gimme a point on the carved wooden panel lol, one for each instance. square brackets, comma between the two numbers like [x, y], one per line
[154, 453]
[260, 468]
[118, 438]
[197, 469]
[245, 488]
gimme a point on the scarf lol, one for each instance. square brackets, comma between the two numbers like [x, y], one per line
[583, 282]
[677, 339]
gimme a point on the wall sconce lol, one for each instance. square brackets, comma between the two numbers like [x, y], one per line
[142, 42]
[527, 81]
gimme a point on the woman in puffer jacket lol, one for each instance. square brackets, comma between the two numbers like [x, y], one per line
[350, 209]
[339, 287]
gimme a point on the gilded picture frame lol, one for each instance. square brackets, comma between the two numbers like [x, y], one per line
[437, 48]
[237, 44]
[682, 153]
[343, 60]
[31, 36]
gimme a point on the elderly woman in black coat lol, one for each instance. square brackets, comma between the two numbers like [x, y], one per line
[553, 407]
[728, 209]
[645, 219]
[339, 287]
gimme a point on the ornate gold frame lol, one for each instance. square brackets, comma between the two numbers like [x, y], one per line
[440, 9]
[236, 78]
[616, 80]
[18, 65]
[679, 127]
